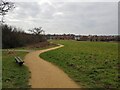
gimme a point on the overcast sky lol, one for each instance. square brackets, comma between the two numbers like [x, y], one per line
[66, 17]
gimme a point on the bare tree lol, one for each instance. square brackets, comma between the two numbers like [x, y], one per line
[37, 31]
[4, 8]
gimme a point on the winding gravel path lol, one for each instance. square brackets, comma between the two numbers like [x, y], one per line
[46, 75]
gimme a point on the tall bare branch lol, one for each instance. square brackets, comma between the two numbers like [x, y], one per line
[5, 7]
[37, 31]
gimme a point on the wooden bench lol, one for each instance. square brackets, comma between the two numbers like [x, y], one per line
[19, 61]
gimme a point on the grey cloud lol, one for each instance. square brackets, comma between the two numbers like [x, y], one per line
[73, 17]
[92, 17]
[24, 10]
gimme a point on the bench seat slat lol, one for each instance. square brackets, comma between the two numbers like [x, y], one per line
[19, 60]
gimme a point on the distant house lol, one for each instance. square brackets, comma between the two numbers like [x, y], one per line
[60, 37]
[103, 38]
[93, 38]
[107, 38]
[82, 37]
[77, 37]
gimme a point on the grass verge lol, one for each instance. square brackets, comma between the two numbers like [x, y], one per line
[90, 64]
[13, 75]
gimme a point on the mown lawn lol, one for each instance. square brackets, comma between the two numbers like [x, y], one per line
[90, 64]
[13, 75]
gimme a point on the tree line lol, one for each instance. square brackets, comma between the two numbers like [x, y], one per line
[13, 37]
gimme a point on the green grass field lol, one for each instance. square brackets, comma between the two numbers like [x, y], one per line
[90, 64]
[14, 76]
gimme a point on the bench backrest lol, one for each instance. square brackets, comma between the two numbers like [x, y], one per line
[19, 59]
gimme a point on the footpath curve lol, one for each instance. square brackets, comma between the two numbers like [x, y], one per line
[46, 75]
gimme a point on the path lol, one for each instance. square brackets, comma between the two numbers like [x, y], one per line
[46, 75]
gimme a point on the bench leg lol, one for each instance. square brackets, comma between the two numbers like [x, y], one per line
[21, 63]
